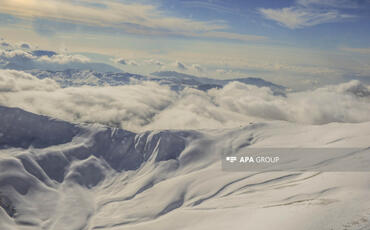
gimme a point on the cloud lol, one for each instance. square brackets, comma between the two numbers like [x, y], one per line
[148, 105]
[24, 45]
[197, 67]
[180, 65]
[19, 57]
[64, 59]
[120, 61]
[132, 62]
[331, 3]
[306, 13]
[295, 17]
[25, 58]
[123, 61]
[154, 62]
[131, 106]
[231, 36]
[16, 81]
[224, 71]
[5, 44]
[133, 18]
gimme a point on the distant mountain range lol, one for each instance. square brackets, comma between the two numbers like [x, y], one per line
[75, 70]
[73, 77]
[37, 59]
[177, 81]
[208, 83]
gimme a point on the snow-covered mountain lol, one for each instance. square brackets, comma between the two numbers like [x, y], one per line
[71, 70]
[27, 60]
[74, 77]
[203, 83]
[57, 175]
[177, 81]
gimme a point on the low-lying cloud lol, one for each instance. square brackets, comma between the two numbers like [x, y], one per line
[180, 65]
[21, 57]
[25, 59]
[123, 61]
[149, 105]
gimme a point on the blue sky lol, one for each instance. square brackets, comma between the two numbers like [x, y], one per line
[305, 41]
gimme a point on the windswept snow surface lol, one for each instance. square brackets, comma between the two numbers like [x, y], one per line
[57, 175]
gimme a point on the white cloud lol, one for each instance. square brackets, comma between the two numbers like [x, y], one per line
[221, 71]
[197, 67]
[123, 61]
[306, 13]
[329, 3]
[131, 106]
[132, 62]
[180, 65]
[134, 18]
[295, 17]
[120, 61]
[154, 62]
[24, 45]
[151, 106]
[25, 58]
[16, 56]
[16, 81]
[64, 59]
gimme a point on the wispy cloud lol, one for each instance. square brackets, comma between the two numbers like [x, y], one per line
[308, 13]
[131, 18]
[217, 6]
[331, 3]
[154, 62]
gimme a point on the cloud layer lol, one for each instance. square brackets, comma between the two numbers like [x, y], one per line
[148, 105]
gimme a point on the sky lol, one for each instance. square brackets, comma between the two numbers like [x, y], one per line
[297, 43]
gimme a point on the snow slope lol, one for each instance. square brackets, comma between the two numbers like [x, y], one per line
[56, 175]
